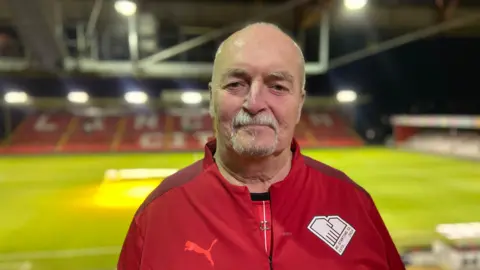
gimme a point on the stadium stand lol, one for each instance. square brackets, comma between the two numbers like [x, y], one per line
[457, 136]
[167, 130]
[39, 132]
[330, 129]
[92, 133]
[459, 144]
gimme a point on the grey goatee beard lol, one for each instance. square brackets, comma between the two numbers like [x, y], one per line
[251, 148]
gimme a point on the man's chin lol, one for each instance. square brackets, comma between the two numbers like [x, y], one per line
[253, 150]
[256, 146]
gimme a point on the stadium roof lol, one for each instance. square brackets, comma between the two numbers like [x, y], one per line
[375, 2]
[38, 31]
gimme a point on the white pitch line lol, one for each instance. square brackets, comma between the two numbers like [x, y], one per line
[56, 254]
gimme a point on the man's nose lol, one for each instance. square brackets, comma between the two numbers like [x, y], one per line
[255, 100]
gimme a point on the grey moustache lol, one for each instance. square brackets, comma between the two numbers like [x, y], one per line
[245, 119]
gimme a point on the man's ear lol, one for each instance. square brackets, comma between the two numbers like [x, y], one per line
[210, 89]
[300, 107]
[210, 106]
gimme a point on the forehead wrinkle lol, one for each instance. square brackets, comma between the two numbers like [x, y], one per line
[238, 40]
[233, 72]
[284, 75]
[239, 72]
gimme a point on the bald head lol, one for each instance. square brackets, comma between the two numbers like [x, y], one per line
[259, 37]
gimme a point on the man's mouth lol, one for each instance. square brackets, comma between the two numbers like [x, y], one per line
[253, 125]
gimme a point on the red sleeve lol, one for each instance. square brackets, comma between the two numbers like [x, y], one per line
[393, 257]
[131, 254]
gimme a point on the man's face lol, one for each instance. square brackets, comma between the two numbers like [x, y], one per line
[257, 94]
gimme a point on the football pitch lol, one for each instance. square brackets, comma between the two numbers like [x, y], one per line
[58, 212]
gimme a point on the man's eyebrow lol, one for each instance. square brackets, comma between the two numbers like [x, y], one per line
[234, 72]
[241, 73]
[281, 75]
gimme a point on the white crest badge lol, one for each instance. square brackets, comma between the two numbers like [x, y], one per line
[333, 230]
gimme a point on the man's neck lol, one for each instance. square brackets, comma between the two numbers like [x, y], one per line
[256, 173]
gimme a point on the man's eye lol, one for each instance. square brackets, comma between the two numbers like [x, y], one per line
[278, 87]
[234, 85]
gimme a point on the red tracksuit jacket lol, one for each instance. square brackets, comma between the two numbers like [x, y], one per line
[316, 218]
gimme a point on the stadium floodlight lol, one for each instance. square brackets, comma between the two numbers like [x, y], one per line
[16, 97]
[77, 97]
[125, 7]
[191, 98]
[355, 4]
[136, 97]
[346, 96]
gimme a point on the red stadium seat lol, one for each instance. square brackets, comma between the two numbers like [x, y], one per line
[330, 129]
[141, 129]
[166, 131]
[160, 131]
[91, 134]
[39, 133]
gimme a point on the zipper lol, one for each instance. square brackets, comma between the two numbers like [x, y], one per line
[266, 227]
[270, 255]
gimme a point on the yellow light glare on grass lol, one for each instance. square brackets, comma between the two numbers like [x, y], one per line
[140, 192]
[128, 188]
[124, 194]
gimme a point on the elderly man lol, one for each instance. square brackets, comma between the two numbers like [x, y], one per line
[255, 202]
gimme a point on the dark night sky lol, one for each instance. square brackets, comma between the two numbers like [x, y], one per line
[437, 71]
[431, 74]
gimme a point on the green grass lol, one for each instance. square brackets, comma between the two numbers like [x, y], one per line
[44, 200]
